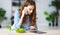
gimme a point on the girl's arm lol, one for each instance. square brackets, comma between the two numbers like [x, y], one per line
[23, 14]
[16, 20]
[21, 19]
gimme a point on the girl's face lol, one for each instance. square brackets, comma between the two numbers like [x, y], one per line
[30, 9]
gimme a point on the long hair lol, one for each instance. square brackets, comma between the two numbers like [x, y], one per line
[32, 16]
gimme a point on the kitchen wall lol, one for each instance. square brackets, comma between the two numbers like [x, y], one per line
[6, 4]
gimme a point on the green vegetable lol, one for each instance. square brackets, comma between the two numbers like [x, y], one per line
[20, 30]
[8, 27]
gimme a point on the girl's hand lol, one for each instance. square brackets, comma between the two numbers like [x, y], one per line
[32, 27]
[24, 11]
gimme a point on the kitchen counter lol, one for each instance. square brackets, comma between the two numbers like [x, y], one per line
[4, 31]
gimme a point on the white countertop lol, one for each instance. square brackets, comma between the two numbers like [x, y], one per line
[4, 31]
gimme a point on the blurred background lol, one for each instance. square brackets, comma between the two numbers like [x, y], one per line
[48, 13]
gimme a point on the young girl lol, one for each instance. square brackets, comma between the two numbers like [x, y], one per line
[26, 16]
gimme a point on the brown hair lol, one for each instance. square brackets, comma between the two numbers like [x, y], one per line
[32, 16]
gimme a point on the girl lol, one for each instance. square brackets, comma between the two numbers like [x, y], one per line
[26, 16]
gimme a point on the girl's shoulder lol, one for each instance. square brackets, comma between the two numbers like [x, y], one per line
[17, 12]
